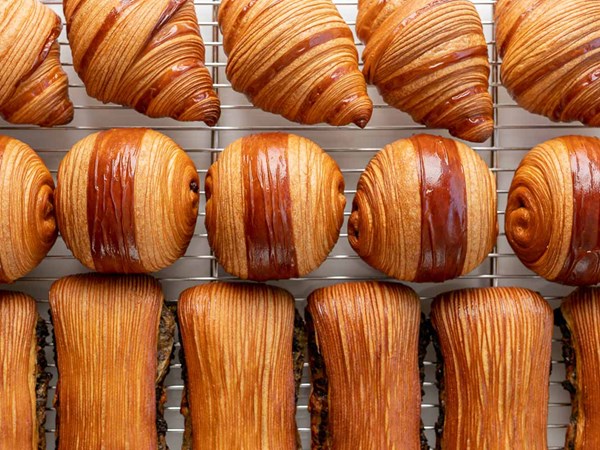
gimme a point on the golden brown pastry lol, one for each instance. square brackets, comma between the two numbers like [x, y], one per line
[127, 200]
[579, 320]
[33, 86]
[147, 55]
[23, 379]
[364, 358]
[494, 352]
[274, 206]
[549, 53]
[296, 59]
[114, 338]
[424, 210]
[553, 210]
[27, 212]
[243, 364]
[429, 58]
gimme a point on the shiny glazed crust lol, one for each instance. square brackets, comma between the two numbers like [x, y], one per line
[127, 201]
[424, 210]
[147, 55]
[429, 58]
[296, 59]
[274, 206]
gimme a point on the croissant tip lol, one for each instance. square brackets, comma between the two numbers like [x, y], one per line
[361, 123]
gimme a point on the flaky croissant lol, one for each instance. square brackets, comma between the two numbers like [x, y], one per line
[147, 55]
[552, 217]
[33, 85]
[549, 53]
[424, 210]
[296, 59]
[274, 206]
[429, 58]
[127, 200]
[27, 199]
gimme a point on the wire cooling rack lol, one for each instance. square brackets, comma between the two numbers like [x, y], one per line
[515, 132]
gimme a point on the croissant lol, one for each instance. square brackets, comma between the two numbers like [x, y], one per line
[424, 210]
[578, 319]
[429, 58]
[274, 206]
[549, 58]
[27, 197]
[127, 201]
[364, 356]
[552, 212]
[147, 55]
[33, 86]
[24, 381]
[494, 348]
[296, 59]
[114, 338]
[242, 366]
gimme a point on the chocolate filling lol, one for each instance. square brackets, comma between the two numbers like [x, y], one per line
[570, 383]
[42, 381]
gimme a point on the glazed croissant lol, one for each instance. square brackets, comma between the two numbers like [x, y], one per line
[27, 196]
[274, 206]
[127, 200]
[296, 59]
[364, 358]
[578, 318]
[493, 348]
[113, 338]
[33, 86]
[24, 381]
[424, 210]
[549, 56]
[552, 213]
[429, 58]
[147, 55]
[243, 364]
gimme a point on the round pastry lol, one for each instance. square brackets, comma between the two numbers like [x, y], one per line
[553, 210]
[27, 199]
[424, 210]
[127, 201]
[274, 206]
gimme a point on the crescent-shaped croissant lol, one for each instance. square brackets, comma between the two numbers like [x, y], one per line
[274, 206]
[296, 59]
[424, 210]
[429, 58]
[552, 217]
[493, 350]
[147, 55]
[33, 86]
[127, 201]
[550, 57]
[27, 199]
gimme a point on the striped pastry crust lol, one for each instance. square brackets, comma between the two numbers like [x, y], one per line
[241, 389]
[494, 348]
[145, 54]
[113, 340]
[274, 206]
[364, 358]
[429, 58]
[553, 210]
[550, 53]
[127, 200]
[424, 210]
[33, 86]
[23, 380]
[296, 59]
[27, 209]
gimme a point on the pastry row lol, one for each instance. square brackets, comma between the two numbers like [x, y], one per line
[243, 350]
[424, 209]
[428, 58]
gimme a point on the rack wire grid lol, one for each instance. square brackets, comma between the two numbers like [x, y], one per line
[516, 131]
